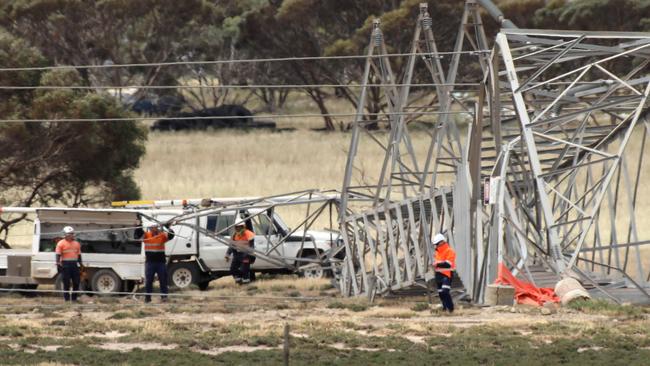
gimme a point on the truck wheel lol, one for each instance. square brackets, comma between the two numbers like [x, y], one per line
[25, 287]
[314, 272]
[105, 281]
[183, 274]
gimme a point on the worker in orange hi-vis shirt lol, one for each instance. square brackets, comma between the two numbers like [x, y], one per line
[68, 260]
[240, 267]
[154, 240]
[444, 264]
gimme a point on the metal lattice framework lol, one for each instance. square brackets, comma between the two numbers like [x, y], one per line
[576, 99]
[387, 243]
[545, 149]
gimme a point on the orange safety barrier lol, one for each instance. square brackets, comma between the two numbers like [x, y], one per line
[525, 292]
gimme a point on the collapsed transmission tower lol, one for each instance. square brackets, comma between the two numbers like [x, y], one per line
[540, 180]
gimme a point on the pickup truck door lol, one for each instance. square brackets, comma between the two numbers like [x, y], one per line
[265, 238]
[212, 251]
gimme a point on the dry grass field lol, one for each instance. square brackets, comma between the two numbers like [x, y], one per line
[244, 325]
[256, 163]
[227, 163]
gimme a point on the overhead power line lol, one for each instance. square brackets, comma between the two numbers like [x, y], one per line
[225, 62]
[260, 86]
[304, 115]
[252, 86]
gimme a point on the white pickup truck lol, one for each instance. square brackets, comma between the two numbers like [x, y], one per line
[114, 259]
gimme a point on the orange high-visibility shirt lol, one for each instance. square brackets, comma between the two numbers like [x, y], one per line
[444, 253]
[69, 250]
[155, 243]
[247, 235]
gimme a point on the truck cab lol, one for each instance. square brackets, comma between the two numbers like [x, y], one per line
[198, 258]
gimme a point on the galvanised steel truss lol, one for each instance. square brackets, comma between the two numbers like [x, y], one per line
[566, 187]
[540, 178]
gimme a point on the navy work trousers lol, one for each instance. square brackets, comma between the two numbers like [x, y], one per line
[240, 267]
[71, 273]
[151, 269]
[444, 291]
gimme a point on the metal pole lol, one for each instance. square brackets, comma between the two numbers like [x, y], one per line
[285, 352]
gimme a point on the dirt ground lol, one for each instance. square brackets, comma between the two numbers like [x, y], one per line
[230, 324]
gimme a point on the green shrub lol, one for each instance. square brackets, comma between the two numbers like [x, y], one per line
[420, 306]
[350, 306]
[605, 307]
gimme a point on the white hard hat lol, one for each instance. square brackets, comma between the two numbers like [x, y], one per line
[438, 238]
[68, 230]
[239, 221]
[150, 225]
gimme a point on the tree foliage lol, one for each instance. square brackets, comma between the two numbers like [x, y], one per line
[304, 28]
[122, 31]
[595, 15]
[65, 163]
[74, 32]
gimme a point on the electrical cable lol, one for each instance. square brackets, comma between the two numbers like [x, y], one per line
[302, 115]
[226, 62]
[252, 86]
[260, 86]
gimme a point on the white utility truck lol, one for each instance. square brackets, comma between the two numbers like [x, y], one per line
[114, 259]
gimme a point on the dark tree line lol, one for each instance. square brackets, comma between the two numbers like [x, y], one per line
[74, 32]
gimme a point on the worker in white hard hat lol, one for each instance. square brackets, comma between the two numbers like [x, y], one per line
[68, 260]
[240, 267]
[444, 265]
